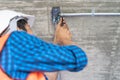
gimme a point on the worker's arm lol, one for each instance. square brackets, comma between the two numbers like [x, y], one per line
[33, 54]
[38, 55]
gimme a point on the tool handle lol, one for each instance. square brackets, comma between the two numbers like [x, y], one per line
[62, 23]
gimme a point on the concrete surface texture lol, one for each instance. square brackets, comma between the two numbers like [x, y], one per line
[99, 36]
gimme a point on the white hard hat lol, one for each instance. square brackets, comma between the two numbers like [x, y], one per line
[8, 20]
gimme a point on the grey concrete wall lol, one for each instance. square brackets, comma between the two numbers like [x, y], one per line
[98, 36]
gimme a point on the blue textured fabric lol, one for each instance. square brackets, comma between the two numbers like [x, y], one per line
[24, 53]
